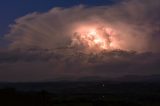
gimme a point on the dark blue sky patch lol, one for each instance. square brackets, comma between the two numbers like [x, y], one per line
[12, 9]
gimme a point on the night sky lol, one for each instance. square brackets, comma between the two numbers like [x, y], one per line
[48, 40]
[10, 10]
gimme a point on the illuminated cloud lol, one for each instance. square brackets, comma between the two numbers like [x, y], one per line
[52, 45]
[134, 22]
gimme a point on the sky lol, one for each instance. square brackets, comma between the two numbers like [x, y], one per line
[50, 40]
[12, 9]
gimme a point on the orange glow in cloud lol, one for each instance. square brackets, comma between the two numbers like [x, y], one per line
[93, 38]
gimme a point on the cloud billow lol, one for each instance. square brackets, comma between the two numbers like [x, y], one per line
[136, 23]
[39, 48]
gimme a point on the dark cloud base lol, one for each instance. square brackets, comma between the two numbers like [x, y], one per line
[46, 65]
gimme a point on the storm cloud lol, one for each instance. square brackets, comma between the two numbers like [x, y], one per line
[39, 43]
[136, 23]
[42, 65]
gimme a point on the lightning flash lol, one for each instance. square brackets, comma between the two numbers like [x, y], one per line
[93, 38]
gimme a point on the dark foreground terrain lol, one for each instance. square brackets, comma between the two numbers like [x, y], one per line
[80, 94]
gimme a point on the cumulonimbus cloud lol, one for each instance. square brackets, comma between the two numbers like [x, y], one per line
[37, 49]
[136, 23]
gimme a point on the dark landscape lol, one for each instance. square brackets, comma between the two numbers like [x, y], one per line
[80, 94]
